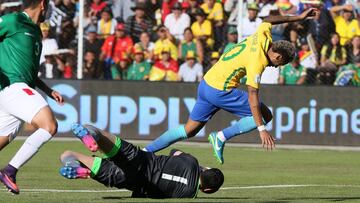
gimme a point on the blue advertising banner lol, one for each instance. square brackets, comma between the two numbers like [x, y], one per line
[143, 110]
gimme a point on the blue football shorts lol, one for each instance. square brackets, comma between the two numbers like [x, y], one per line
[210, 100]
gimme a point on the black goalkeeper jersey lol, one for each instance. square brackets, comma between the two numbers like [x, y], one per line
[180, 177]
[171, 177]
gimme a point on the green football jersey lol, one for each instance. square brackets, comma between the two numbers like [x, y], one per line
[20, 49]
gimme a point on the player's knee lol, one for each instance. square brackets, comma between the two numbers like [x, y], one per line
[65, 154]
[266, 113]
[51, 127]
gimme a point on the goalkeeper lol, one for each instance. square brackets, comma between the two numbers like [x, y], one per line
[178, 175]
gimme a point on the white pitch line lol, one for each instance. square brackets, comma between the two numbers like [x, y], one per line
[223, 188]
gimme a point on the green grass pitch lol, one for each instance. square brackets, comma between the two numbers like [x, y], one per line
[288, 176]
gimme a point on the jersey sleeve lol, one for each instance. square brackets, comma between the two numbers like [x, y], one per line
[253, 73]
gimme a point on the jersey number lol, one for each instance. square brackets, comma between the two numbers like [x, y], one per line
[37, 48]
[241, 47]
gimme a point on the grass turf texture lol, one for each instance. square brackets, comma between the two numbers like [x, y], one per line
[334, 176]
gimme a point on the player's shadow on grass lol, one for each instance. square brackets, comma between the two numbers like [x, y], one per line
[331, 199]
[227, 198]
[198, 199]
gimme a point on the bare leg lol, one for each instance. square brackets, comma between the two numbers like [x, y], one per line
[4, 141]
[86, 160]
[193, 127]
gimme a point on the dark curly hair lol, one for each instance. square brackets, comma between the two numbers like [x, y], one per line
[285, 49]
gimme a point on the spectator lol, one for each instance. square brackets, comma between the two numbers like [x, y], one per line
[251, 22]
[350, 74]
[202, 29]
[70, 64]
[190, 71]
[91, 69]
[140, 68]
[177, 22]
[165, 69]
[115, 47]
[353, 51]
[49, 44]
[215, 14]
[266, 6]
[166, 8]
[191, 10]
[68, 7]
[137, 23]
[147, 46]
[51, 68]
[106, 25]
[232, 38]
[330, 3]
[67, 35]
[87, 20]
[232, 9]
[92, 43]
[119, 71]
[214, 11]
[189, 44]
[122, 9]
[321, 26]
[309, 60]
[346, 26]
[333, 55]
[164, 41]
[292, 73]
[215, 56]
[97, 6]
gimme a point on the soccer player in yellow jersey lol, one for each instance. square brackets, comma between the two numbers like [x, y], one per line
[218, 90]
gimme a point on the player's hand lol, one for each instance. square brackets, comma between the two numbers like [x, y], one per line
[57, 97]
[310, 13]
[267, 140]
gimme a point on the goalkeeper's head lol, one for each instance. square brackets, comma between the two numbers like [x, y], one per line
[211, 179]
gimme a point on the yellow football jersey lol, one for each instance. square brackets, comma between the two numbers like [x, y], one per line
[248, 57]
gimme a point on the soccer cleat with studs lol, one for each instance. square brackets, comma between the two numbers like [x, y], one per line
[9, 183]
[71, 172]
[84, 135]
[217, 146]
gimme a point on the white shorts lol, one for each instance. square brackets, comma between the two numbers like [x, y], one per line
[18, 102]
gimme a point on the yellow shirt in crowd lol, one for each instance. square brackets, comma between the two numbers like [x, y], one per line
[203, 29]
[165, 44]
[248, 57]
[346, 30]
[216, 13]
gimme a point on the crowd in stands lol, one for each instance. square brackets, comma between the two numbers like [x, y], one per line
[179, 40]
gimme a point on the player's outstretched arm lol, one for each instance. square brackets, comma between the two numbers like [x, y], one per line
[49, 92]
[307, 14]
[267, 140]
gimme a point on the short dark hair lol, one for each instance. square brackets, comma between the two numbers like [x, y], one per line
[285, 49]
[211, 179]
[32, 3]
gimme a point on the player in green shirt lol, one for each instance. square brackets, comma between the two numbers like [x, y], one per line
[292, 73]
[20, 50]
[139, 69]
